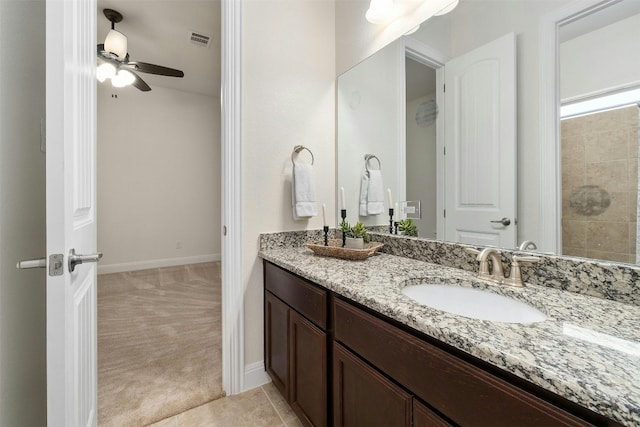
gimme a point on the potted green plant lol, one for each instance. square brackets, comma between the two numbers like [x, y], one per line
[408, 228]
[356, 236]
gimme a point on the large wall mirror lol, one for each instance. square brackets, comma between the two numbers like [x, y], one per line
[458, 115]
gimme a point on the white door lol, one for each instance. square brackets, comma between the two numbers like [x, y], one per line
[71, 212]
[480, 142]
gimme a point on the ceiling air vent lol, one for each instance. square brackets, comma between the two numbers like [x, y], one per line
[199, 39]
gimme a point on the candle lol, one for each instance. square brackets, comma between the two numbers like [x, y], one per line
[342, 203]
[397, 212]
[389, 196]
[324, 214]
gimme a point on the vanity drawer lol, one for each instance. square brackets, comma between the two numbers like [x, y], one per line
[466, 394]
[304, 297]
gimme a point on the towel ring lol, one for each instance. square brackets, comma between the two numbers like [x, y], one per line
[368, 157]
[297, 149]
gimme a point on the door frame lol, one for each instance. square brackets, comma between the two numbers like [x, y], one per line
[550, 191]
[231, 159]
[432, 58]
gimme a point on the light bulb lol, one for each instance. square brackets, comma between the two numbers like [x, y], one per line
[448, 8]
[380, 11]
[123, 78]
[116, 43]
[105, 71]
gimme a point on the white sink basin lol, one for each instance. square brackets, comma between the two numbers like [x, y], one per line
[474, 303]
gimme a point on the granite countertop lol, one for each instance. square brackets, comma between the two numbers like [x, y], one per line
[588, 350]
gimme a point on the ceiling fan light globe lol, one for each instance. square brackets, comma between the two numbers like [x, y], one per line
[116, 43]
[122, 79]
[105, 71]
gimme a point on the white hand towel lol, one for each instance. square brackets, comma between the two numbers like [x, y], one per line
[364, 188]
[375, 193]
[303, 191]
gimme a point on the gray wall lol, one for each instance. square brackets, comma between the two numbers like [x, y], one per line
[22, 213]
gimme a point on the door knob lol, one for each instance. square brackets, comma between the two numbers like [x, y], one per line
[75, 259]
[55, 264]
[32, 263]
[504, 221]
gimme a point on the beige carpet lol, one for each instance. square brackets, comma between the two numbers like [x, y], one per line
[159, 343]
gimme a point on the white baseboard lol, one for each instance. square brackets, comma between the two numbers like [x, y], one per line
[255, 375]
[156, 263]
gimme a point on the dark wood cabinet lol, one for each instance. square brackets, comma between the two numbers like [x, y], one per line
[276, 323]
[308, 370]
[386, 374]
[364, 397]
[425, 417]
[295, 345]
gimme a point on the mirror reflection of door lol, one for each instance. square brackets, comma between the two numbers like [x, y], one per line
[480, 142]
[599, 134]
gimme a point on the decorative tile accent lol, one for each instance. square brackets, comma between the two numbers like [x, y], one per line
[587, 351]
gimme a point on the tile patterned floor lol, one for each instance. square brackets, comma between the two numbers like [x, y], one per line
[260, 407]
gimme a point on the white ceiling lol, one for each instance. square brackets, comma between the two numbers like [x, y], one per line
[157, 33]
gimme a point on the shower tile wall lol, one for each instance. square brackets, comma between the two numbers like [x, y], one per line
[600, 185]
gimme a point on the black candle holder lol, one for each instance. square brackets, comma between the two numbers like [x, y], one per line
[395, 226]
[391, 220]
[343, 214]
[326, 235]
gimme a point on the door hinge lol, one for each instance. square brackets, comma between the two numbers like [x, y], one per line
[445, 213]
[444, 88]
[444, 151]
[56, 266]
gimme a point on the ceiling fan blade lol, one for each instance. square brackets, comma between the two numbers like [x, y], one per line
[145, 67]
[139, 83]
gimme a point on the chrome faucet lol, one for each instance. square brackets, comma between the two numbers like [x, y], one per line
[527, 244]
[496, 273]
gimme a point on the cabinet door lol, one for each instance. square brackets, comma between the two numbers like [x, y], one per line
[425, 417]
[464, 393]
[364, 397]
[308, 370]
[276, 339]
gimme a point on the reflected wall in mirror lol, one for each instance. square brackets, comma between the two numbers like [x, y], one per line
[599, 134]
[473, 24]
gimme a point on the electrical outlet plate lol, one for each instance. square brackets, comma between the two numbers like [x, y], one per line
[410, 209]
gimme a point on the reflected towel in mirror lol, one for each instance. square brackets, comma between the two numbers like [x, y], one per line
[371, 193]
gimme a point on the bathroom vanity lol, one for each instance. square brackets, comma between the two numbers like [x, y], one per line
[346, 347]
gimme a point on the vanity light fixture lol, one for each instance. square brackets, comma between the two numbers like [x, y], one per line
[385, 11]
[413, 30]
[448, 8]
[381, 11]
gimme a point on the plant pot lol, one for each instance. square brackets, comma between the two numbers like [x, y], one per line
[354, 243]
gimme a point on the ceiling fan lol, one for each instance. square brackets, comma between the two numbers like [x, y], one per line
[114, 61]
